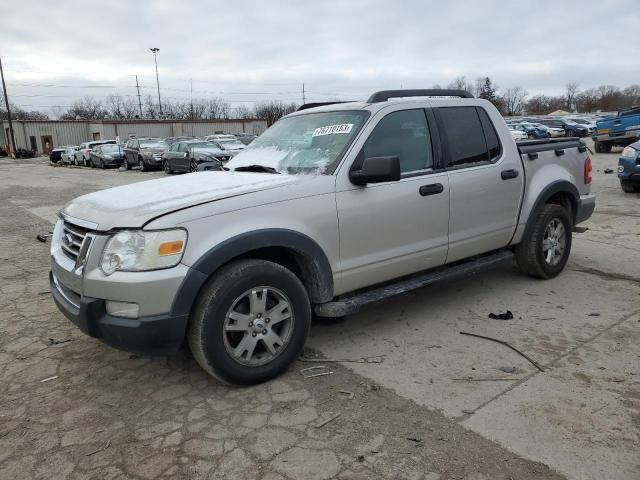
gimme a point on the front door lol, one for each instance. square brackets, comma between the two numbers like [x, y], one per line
[47, 144]
[392, 229]
[486, 182]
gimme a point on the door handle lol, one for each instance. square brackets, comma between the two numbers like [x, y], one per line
[507, 174]
[432, 189]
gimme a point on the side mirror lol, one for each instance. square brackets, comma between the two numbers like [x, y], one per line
[376, 170]
[186, 155]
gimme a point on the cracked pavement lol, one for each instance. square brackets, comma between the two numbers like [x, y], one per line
[79, 409]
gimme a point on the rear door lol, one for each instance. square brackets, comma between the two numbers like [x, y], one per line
[485, 181]
[392, 229]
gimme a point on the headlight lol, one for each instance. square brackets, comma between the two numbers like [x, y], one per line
[629, 152]
[141, 250]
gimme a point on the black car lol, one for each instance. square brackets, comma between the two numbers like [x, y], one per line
[56, 154]
[189, 156]
[571, 129]
[109, 155]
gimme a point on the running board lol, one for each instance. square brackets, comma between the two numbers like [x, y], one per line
[354, 302]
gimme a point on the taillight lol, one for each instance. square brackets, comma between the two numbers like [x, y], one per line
[587, 171]
[88, 150]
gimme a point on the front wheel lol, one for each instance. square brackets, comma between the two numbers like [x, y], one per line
[142, 165]
[250, 322]
[84, 162]
[193, 166]
[167, 167]
[126, 164]
[545, 250]
[629, 187]
[102, 164]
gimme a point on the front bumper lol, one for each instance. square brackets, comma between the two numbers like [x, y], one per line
[629, 168]
[585, 208]
[150, 335]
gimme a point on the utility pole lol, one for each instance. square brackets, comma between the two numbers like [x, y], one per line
[304, 100]
[139, 100]
[6, 102]
[155, 58]
[191, 99]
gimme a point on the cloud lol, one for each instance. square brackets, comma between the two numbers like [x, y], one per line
[250, 50]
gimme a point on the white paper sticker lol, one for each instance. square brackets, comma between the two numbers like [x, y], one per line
[331, 129]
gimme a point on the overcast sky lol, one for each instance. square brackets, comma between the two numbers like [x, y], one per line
[245, 51]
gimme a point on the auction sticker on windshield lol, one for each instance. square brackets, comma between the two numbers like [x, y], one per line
[331, 129]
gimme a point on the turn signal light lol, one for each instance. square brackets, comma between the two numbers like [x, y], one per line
[587, 171]
[170, 248]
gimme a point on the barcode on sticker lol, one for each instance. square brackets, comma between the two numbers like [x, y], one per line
[331, 129]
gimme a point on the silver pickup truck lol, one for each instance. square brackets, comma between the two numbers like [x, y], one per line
[334, 208]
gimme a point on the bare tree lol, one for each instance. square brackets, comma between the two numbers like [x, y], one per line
[273, 110]
[570, 96]
[87, 108]
[242, 111]
[514, 100]
[461, 83]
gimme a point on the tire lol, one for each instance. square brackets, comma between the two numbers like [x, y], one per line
[84, 162]
[228, 291]
[603, 147]
[570, 133]
[629, 187]
[126, 164]
[193, 166]
[142, 165]
[102, 164]
[167, 168]
[531, 256]
[91, 164]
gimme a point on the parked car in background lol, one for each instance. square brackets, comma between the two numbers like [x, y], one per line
[620, 130]
[83, 154]
[517, 134]
[146, 153]
[227, 142]
[568, 127]
[589, 124]
[246, 138]
[333, 208]
[69, 155]
[171, 140]
[56, 154]
[187, 156]
[531, 130]
[108, 155]
[629, 168]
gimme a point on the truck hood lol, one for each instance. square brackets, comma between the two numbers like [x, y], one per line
[131, 206]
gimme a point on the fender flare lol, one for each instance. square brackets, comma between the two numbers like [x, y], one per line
[555, 187]
[316, 263]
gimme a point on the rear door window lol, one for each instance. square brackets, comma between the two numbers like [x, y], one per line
[465, 136]
[490, 135]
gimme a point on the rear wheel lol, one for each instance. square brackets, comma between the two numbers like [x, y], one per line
[250, 322]
[102, 164]
[167, 167]
[193, 166]
[545, 251]
[629, 187]
[126, 164]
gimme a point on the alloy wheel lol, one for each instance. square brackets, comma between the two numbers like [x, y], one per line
[554, 242]
[258, 326]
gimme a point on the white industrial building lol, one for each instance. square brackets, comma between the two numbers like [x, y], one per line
[42, 136]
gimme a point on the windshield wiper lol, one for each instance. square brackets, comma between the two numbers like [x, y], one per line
[256, 168]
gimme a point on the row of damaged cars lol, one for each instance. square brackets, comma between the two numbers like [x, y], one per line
[173, 154]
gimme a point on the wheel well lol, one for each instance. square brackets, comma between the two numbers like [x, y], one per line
[301, 266]
[565, 200]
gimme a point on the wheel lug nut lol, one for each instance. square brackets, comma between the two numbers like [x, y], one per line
[254, 334]
[259, 315]
[268, 320]
[264, 332]
[251, 324]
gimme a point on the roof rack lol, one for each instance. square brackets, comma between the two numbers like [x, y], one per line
[385, 95]
[319, 104]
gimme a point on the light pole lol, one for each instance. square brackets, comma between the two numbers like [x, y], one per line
[12, 140]
[155, 58]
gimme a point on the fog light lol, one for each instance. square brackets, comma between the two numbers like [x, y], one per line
[123, 309]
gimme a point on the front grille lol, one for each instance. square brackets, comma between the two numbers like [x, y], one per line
[157, 156]
[72, 239]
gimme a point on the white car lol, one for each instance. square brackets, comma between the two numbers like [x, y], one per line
[518, 134]
[227, 142]
[83, 155]
[69, 154]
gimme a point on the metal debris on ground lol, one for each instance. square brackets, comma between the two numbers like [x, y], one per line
[508, 315]
[106, 445]
[58, 342]
[594, 314]
[415, 439]
[508, 369]
[49, 378]
[349, 394]
[42, 237]
[608, 170]
[373, 359]
[318, 371]
[321, 422]
[506, 345]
